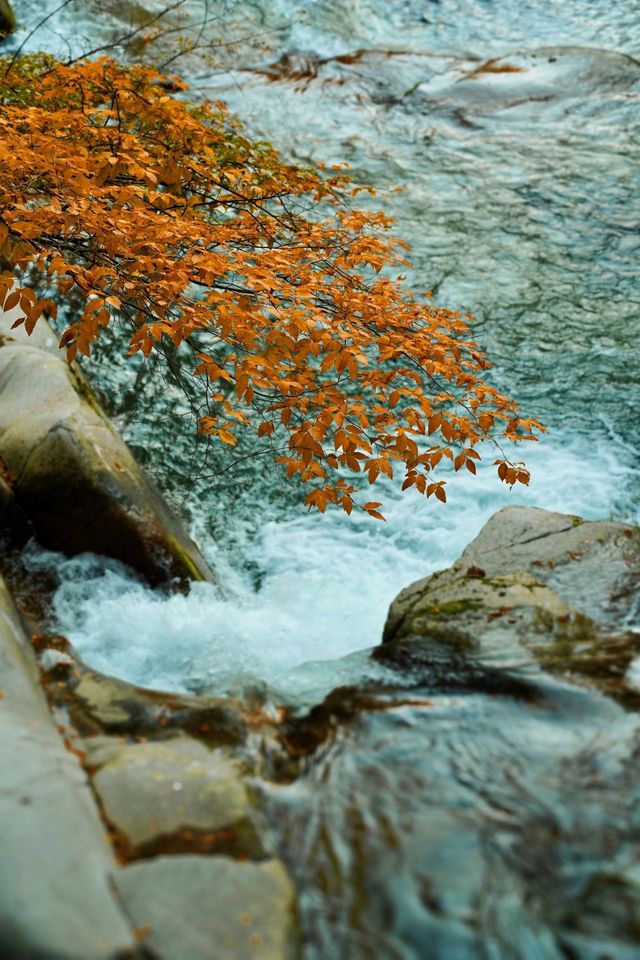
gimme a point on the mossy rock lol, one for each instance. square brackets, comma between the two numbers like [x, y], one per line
[535, 590]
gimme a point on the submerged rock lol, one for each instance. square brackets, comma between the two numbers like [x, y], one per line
[546, 75]
[7, 19]
[73, 478]
[534, 588]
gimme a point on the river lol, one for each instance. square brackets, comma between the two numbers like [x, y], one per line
[520, 201]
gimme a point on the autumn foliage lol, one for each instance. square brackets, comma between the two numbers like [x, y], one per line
[164, 217]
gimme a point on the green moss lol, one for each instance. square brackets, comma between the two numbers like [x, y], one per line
[579, 651]
[455, 607]
[185, 560]
[84, 390]
[577, 521]
[452, 608]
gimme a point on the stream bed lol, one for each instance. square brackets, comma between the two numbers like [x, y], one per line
[479, 826]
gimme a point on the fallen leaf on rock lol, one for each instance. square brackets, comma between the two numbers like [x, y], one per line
[498, 613]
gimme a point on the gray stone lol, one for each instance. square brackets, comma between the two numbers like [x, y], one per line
[211, 908]
[593, 564]
[534, 591]
[56, 865]
[150, 791]
[42, 335]
[99, 704]
[73, 477]
[544, 75]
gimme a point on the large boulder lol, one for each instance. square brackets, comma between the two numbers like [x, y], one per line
[534, 589]
[56, 865]
[7, 19]
[73, 478]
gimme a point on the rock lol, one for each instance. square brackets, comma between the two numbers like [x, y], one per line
[198, 908]
[97, 703]
[548, 74]
[535, 590]
[73, 477]
[593, 565]
[175, 795]
[7, 19]
[42, 335]
[56, 866]
[6, 497]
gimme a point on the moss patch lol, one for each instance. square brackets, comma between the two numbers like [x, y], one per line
[453, 608]
[582, 653]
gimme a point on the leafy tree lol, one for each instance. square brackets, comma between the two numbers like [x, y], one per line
[162, 215]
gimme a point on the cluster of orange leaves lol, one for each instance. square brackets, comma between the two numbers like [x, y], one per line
[166, 218]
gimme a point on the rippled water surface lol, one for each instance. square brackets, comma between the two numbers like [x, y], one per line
[478, 827]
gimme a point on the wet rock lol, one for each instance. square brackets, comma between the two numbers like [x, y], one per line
[546, 74]
[295, 65]
[56, 896]
[7, 19]
[174, 794]
[73, 477]
[535, 591]
[97, 703]
[197, 908]
[6, 497]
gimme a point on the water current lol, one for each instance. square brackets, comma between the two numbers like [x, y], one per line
[489, 829]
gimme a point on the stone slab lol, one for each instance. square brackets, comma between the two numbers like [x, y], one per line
[211, 908]
[56, 865]
[150, 791]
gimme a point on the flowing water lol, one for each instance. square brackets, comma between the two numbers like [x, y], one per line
[479, 827]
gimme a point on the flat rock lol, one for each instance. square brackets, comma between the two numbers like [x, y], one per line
[547, 74]
[56, 865]
[72, 476]
[162, 793]
[201, 908]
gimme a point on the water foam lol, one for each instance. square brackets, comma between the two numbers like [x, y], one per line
[323, 588]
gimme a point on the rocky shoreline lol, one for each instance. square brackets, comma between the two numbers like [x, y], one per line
[123, 810]
[129, 823]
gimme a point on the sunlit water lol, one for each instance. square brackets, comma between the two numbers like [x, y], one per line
[480, 827]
